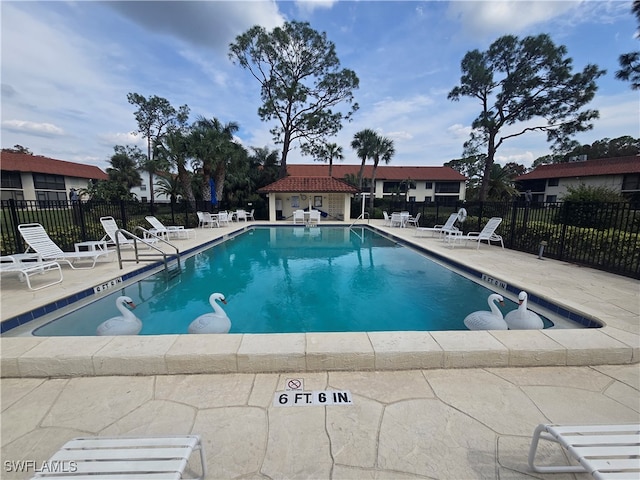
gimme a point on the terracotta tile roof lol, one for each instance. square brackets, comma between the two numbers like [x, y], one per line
[22, 162]
[309, 184]
[384, 172]
[602, 166]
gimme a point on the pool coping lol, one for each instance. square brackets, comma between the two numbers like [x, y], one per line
[309, 352]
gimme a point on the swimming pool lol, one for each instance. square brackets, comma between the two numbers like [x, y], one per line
[296, 279]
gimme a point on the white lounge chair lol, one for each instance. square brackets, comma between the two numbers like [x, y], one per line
[126, 457]
[168, 232]
[28, 265]
[604, 451]
[39, 241]
[448, 226]
[387, 219]
[488, 234]
[111, 229]
[298, 216]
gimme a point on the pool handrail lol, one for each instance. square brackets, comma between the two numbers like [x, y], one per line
[137, 239]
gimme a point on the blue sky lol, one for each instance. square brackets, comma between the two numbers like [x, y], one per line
[67, 68]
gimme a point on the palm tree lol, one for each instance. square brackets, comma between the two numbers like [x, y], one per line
[124, 166]
[333, 151]
[211, 146]
[169, 186]
[501, 185]
[174, 149]
[363, 143]
[384, 150]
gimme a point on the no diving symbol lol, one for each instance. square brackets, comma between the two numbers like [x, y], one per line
[294, 384]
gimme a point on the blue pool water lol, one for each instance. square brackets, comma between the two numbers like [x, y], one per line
[295, 279]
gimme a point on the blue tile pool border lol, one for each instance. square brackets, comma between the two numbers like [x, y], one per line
[576, 317]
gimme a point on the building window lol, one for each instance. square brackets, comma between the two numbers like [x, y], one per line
[43, 181]
[631, 182]
[11, 180]
[428, 185]
[553, 182]
[412, 199]
[427, 199]
[143, 188]
[552, 198]
[447, 200]
[447, 187]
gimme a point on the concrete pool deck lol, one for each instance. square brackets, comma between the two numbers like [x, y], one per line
[613, 300]
[413, 416]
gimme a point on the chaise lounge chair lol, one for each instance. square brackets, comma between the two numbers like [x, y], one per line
[111, 229]
[39, 241]
[604, 451]
[488, 234]
[168, 232]
[441, 229]
[26, 266]
[125, 457]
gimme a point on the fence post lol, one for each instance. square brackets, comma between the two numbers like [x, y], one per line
[566, 206]
[77, 206]
[514, 218]
[16, 233]
[123, 214]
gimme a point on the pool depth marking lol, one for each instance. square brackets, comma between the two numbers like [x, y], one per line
[107, 285]
[297, 398]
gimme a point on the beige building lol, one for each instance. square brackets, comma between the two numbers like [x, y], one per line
[419, 184]
[34, 177]
[549, 183]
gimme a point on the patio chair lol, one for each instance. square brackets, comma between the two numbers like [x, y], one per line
[396, 220]
[387, 219]
[241, 215]
[488, 234]
[126, 457]
[447, 227]
[604, 451]
[26, 265]
[414, 220]
[206, 220]
[250, 214]
[298, 215]
[224, 217]
[39, 241]
[168, 232]
[314, 217]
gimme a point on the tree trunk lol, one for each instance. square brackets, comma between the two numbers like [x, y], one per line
[285, 150]
[360, 173]
[373, 185]
[486, 176]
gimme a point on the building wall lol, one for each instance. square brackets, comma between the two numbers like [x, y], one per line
[143, 191]
[554, 193]
[30, 192]
[425, 190]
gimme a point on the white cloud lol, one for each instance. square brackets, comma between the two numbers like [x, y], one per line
[309, 6]
[33, 128]
[490, 17]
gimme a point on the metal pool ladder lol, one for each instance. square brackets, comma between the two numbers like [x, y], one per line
[171, 272]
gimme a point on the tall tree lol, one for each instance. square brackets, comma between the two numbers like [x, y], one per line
[212, 147]
[384, 150]
[124, 166]
[363, 143]
[516, 81]
[630, 62]
[175, 150]
[156, 117]
[301, 82]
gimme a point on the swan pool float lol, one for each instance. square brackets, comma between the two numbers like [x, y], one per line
[523, 319]
[125, 324]
[215, 322]
[483, 320]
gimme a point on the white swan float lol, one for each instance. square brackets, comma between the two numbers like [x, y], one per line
[216, 322]
[125, 324]
[523, 319]
[483, 320]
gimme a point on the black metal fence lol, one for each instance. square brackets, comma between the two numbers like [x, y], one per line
[605, 236]
[600, 235]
